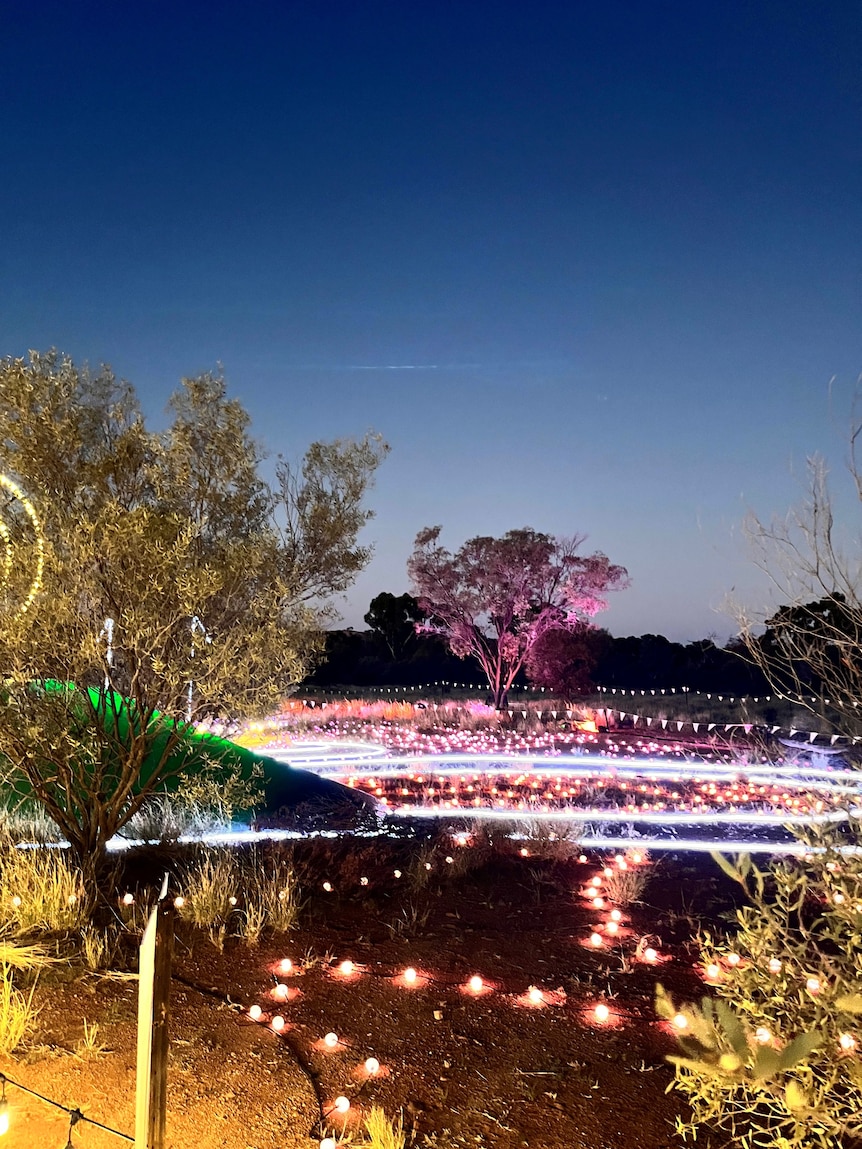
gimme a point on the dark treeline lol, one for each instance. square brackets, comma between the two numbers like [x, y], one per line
[390, 653]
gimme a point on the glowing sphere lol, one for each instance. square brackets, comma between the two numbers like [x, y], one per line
[601, 1012]
[713, 971]
[372, 1066]
[179, 902]
[328, 1143]
[278, 1023]
[535, 995]
[476, 983]
[762, 1035]
[331, 1040]
[616, 916]
[595, 940]
[347, 967]
[813, 985]
[128, 899]
[280, 991]
[599, 903]
[16, 901]
[285, 965]
[342, 1104]
[650, 955]
[328, 887]
[774, 965]
[254, 1012]
[410, 975]
[397, 873]
[680, 1021]
[847, 1042]
[733, 959]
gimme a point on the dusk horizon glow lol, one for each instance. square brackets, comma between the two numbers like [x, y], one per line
[589, 269]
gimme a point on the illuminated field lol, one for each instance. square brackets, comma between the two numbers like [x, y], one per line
[662, 801]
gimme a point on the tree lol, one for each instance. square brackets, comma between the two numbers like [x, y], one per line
[393, 618]
[495, 598]
[172, 582]
[564, 661]
[811, 649]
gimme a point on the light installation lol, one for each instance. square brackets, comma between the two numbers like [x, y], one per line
[20, 498]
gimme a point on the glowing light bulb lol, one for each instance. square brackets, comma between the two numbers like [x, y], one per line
[813, 985]
[331, 1040]
[4, 1116]
[328, 1143]
[328, 887]
[410, 975]
[680, 1021]
[342, 1104]
[595, 939]
[535, 995]
[16, 901]
[278, 1023]
[601, 1012]
[651, 955]
[597, 881]
[347, 968]
[372, 1066]
[762, 1035]
[582, 858]
[254, 1012]
[608, 872]
[427, 865]
[713, 971]
[616, 916]
[72, 898]
[599, 903]
[397, 873]
[363, 881]
[611, 928]
[232, 900]
[774, 965]
[733, 959]
[128, 899]
[179, 902]
[838, 899]
[847, 1042]
[637, 857]
[476, 983]
[280, 991]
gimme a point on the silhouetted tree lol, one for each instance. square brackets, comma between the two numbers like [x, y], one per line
[394, 619]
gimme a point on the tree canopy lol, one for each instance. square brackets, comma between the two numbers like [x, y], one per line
[495, 598]
[173, 581]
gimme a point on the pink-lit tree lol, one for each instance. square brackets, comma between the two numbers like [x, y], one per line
[495, 598]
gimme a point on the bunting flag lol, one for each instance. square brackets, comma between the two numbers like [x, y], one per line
[812, 735]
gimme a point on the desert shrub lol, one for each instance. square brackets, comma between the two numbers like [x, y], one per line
[40, 891]
[624, 887]
[381, 1132]
[272, 885]
[775, 1061]
[551, 839]
[26, 821]
[205, 802]
[210, 889]
[17, 1012]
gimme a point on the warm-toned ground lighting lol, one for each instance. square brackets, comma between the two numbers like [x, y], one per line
[277, 1023]
[601, 1013]
[255, 1012]
[410, 975]
[331, 1040]
[341, 1104]
[475, 983]
[372, 1066]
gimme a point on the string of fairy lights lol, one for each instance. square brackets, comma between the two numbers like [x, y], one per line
[19, 497]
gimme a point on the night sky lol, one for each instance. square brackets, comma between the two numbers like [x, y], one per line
[588, 267]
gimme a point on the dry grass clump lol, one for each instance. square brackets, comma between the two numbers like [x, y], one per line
[626, 886]
[41, 891]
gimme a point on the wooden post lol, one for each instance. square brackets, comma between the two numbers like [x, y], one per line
[154, 988]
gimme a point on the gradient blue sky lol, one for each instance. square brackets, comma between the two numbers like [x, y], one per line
[589, 267]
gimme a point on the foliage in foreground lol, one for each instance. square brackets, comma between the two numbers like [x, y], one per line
[774, 1061]
[151, 579]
